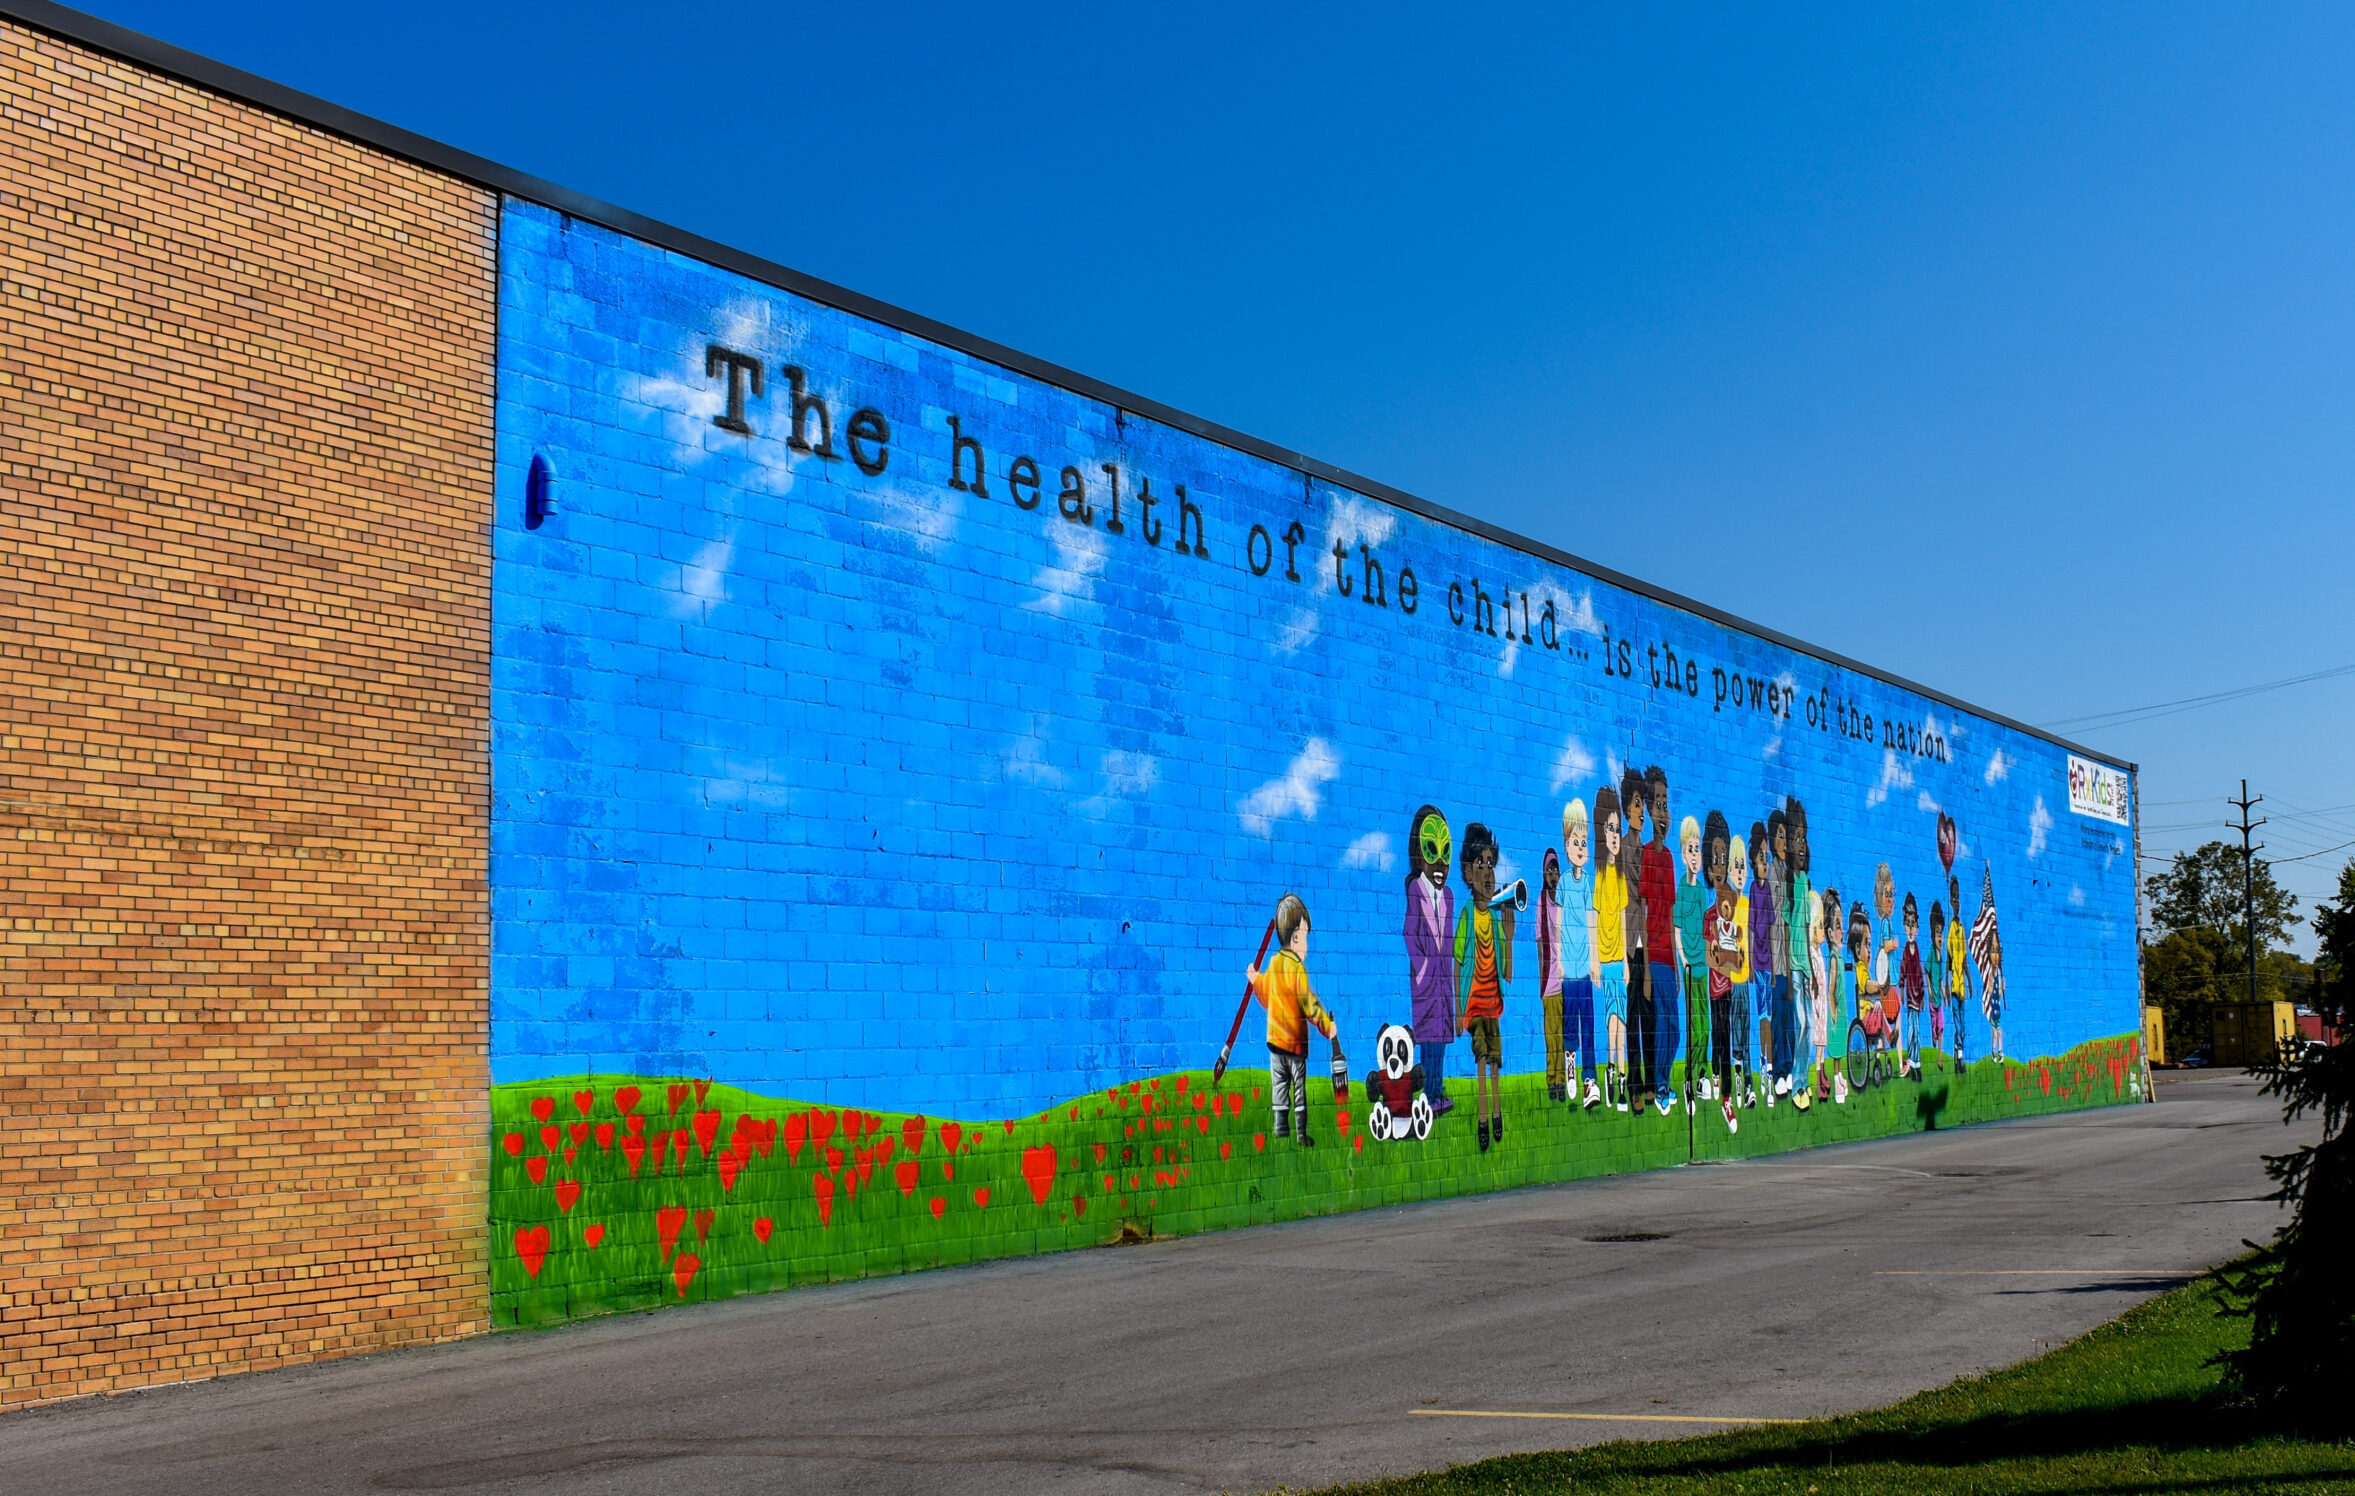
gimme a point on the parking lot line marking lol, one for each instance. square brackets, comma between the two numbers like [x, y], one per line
[2039, 1272]
[1595, 1417]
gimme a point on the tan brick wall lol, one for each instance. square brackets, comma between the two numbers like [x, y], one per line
[245, 416]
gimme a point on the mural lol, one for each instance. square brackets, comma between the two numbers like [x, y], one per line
[910, 778]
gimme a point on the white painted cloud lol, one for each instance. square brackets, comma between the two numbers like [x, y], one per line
[1027, 762]
[2076, 897]
[1070, 578]
[1999, 767]
[1296, 793]
[1773, 748]
[1572, 763]
[1350, 523]
[703, 582]
[1124, 776]
[1512, 655]
[1373, 850]
[1894, 776]
[1579, 616]
[1299, 630]
[2039, 822]
[1928, 804]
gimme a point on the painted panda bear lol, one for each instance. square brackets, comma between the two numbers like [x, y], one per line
[1399, 1108]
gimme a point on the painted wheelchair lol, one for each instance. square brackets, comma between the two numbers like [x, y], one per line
[1872, 1046]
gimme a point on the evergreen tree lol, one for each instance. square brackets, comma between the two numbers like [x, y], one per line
[2299, 1290]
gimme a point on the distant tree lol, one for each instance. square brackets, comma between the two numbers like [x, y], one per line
[2183, 974]
[2298, 1290]
[2204, 890]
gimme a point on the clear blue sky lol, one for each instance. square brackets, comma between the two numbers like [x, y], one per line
[2011, 349]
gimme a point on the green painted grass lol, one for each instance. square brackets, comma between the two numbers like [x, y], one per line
[755, 1193]
[2131, 1407]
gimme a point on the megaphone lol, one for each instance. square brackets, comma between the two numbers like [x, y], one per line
[1517, 896]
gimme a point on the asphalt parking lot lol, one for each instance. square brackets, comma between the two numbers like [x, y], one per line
[1302, 1354]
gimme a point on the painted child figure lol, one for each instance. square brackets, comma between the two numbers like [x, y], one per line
[1832, 1001]
[1549, 970]
[1610, 943]
[1484, 964]
[1724, 935]
[1958, 967]
[1292, 1010]
[1579, 1062]
[1916, 987]
[1693, 898]
[1430, 916]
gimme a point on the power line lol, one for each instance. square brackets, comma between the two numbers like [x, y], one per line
[2125, 715]
[2301, 857]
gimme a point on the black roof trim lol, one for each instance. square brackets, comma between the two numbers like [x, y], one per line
[235, 83]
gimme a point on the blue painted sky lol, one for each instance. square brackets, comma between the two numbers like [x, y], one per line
[2028, 326]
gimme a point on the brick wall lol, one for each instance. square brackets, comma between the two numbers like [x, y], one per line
[245, 406]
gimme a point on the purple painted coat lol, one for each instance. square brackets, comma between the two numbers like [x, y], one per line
[1430, 961]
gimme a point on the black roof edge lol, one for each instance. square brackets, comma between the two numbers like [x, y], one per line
[276, 98]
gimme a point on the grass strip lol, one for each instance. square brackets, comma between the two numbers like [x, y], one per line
[2132, 1406]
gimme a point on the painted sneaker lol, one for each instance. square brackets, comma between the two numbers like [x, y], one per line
[1594, 1095]
[1840, 1089]
[1733, 1123]
[1769, 1098]
[1782, 1085]
[1496, 1127]
[1483, 1137]
[1665, 1101]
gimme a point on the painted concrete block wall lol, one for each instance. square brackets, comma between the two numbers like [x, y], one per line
[845, 788]
[245, 407]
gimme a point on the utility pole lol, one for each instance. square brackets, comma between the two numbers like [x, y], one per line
[2248, 875]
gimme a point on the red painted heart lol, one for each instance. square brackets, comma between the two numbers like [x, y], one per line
[702, 1226]
[728, 1167]
[683, 1271]
[583, 1100]
[679, 1148]
[821, 1126]
[531, 1244]
[1038, 1171]
[797, 1126]
[625, 1100]
[513, 1143]
[568, 1153]
[579, 1131]
[981, 1198]
[905, 1176]
[911, 1134]
[761, 1227]
[1009, 1127]
[595, 1235]
[635, 1150]
[824, 1189]
[637, 1127]
[885, 1149]
[678, 1094]
[702, 1087]
[543, 1107]
[567, 1191]
[707, 1129]
[550, 1137]
[1079, 1205]
[669, 1221]
[1226, 1150]
[939, 1207]
[950, 1133]
[948, 1172]
[605, 1136]
[537, 1167]
[766, 1138]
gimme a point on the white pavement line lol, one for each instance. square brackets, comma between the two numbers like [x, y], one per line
[2040, 1272]
[1595, 1417]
